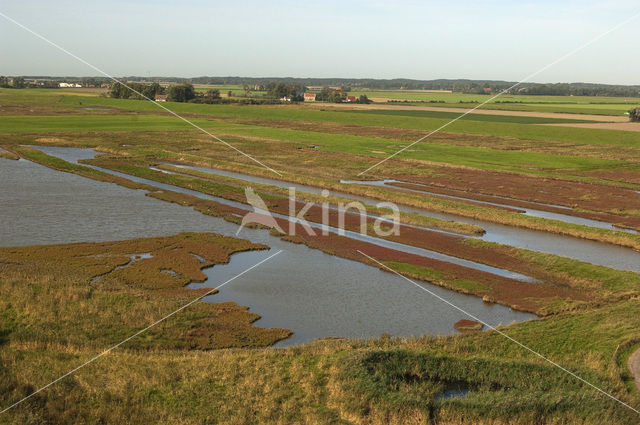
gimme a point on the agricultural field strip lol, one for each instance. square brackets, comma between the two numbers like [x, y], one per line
[582, 116]
[135, 91]
[441, 152]
[129, 338]
[275, 113]
[502, 334]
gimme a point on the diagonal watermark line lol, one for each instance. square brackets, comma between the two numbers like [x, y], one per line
[136, 92]
[493, 328]
[108, 350]
[524, 80]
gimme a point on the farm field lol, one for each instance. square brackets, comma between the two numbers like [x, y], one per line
[479, 199]
[615, 106]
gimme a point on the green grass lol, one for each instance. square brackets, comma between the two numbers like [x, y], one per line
[477, 124]
[483, 158]
[464, 97]
[470, 117]
[598, 105]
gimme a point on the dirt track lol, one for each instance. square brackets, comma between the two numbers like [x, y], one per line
[634, 367]
[586, 117]
[624, 126]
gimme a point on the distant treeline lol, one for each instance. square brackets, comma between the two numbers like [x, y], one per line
[456, 85]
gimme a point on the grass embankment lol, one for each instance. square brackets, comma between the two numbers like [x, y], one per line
[53, 320]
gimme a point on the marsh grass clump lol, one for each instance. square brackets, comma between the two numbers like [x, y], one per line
[8, 154]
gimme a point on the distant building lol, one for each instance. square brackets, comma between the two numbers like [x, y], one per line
[309, 97]
[160, 98]
[285, 99]
[351, 99]
[66, 85]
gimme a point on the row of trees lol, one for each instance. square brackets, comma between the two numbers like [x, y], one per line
[181, 93]
[175, 93]
[131, 90]
[328, 94]
[15, 82]
[279, 90]
[186, 93]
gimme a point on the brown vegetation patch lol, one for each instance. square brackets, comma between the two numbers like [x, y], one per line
[467, 325]
[8, 154]
[517, 187]
[624, 222]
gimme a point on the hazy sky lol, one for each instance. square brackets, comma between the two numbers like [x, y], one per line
[491, 39]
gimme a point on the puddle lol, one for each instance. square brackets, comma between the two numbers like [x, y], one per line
[132, 259]
[454, 391]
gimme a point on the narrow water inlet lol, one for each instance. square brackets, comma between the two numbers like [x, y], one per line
[132, 259]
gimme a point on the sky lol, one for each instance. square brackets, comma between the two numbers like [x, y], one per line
[492, 39]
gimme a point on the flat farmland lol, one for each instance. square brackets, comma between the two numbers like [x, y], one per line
[572, 104]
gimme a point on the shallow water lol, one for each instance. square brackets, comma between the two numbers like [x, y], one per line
[314, 294]
[340, 298]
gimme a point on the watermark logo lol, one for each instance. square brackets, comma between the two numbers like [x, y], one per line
[324, 218]
[260, 213]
